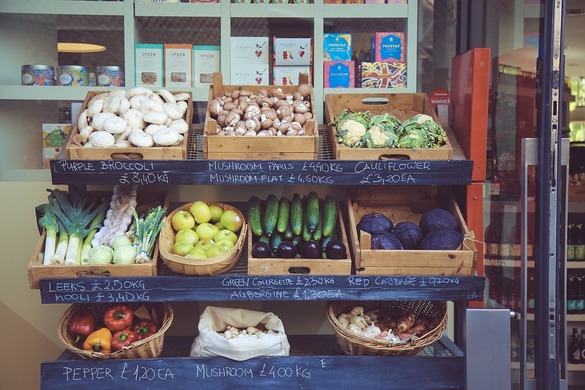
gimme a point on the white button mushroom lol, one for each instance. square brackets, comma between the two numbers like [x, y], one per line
[101, 139]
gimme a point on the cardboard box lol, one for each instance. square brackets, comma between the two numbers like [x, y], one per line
[292, 51]
[390, 46]
[37, 271]
[407, 203]
[206, 62]
[250, 74]
[178, 65]
[282, 266]
[402, 105]
[339, 74]
[149, 65]
[54, 135]
[249, 51]
[337, 46]
[289, 75]
[383, 75]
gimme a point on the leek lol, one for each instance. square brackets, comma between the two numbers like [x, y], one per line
[146, 231]
[61, 250]
[49, 222]
[78, 213]
[86, 247]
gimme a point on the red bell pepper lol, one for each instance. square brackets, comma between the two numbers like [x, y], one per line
[145, 328]
[118, 317]
[81, 325]
[123, 338]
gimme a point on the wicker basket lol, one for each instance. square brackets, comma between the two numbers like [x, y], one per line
[212, 266]
[149, 347]
[354, 344]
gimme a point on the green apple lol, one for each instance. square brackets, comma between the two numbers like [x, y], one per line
[182, 248]
[182, 219]
[227, 243]
[206, 231]
[216, 250]
[231, 220]
[219, 225]
[186, 235]
[197, 252]
[226, 234]
[216, 212]
[200, 211]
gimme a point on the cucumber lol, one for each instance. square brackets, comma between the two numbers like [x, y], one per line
[312, 212]
[283, 215]
[296, 214]
[255, 215]
[318, 232]
[270, 214]
[275, 239]
[288, 233]
[329, 215]
[264, 238]
[306, 234]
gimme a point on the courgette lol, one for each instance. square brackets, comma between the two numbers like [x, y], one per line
[318, 232]
[329, 215]
[270, 214]
[296, 214]
[255, 215]
[312, 211]
[283, 214]
[275, 239]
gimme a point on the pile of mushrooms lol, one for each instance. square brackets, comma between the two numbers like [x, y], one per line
[241, 112]
[232, 332]
[138, 117]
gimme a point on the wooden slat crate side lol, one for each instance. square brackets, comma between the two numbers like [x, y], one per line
[401, 105]
[416, 270]
[271, 147]
[410, 209]
[281, 266]
[178, 152]
[38, 271]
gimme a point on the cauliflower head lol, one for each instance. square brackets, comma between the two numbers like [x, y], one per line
[351, 127]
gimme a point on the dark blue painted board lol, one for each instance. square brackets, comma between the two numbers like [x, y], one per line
[261, 288]
[262, 172]
[290, 372]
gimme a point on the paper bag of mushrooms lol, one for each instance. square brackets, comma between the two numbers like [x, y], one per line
[239, 334]
[138, 117]
[241, 112]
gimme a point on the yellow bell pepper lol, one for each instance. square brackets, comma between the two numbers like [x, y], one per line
[99, 341]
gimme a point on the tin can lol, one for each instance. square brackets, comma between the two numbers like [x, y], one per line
[72, 75]
[110, 76]
[37, 75]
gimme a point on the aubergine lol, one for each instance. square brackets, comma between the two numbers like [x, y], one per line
[335, 249]
[311, 250]
[261, 250]
[286, 250]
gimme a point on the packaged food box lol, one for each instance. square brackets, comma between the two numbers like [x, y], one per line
[337, 46]
[54, 136]
[390, 46]
[407, 204]
[178, 65]
[289, 75]
[76, 151]
[206, 62]
[298, 147]
[292, 51]
[383, 74]
[403, 106]
[338, 74]
[37, 271]
[149, 65]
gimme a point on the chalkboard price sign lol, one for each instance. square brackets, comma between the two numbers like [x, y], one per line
[244, 287]
[260, 172]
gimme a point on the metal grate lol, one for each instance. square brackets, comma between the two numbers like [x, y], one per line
[195, 151]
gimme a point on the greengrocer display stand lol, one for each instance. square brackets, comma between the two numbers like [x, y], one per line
[477, 361]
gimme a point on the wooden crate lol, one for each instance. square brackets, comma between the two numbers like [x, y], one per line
[303, 147]
[38, 271]
[402, 105]
[179, 152]
[407, 204]
[280, 266]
